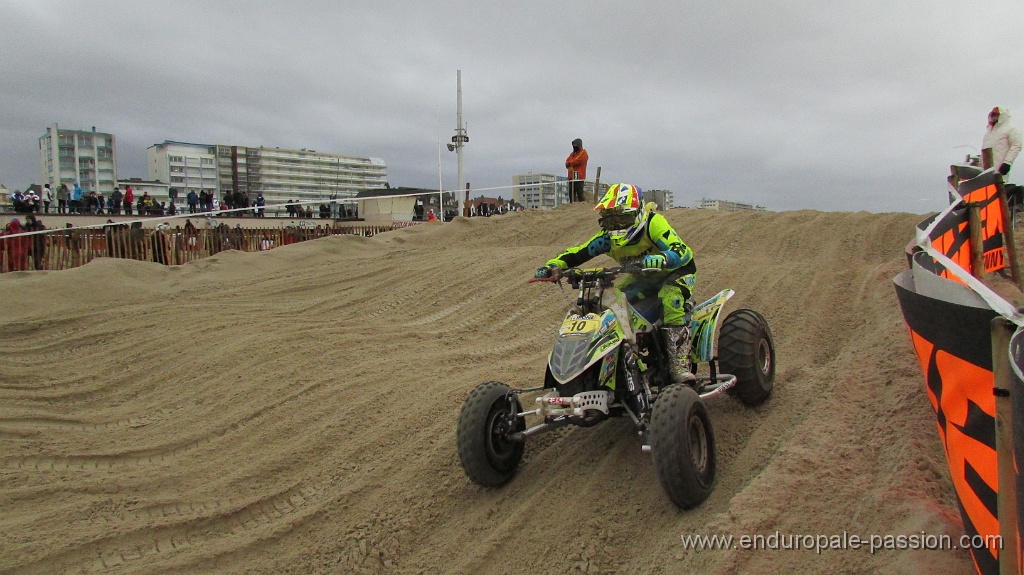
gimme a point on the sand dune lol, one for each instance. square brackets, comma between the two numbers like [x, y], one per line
[294, 411]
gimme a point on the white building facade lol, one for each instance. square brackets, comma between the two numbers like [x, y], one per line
[726, 206]
[283, 175]
[543, 191]
[183, 167]
[87, 156]
[661, 197]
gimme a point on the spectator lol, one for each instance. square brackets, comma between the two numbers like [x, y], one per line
[37, 244]
[148, 205]
[116, 200]
[160, 245]
[116, 237]
[20, 205]
[77, 197]
[1002, 138]
[32, 199]
[16, 248]
[48, 197]
[62, 198]
[137, 240]
[260, 205]
[576, 163]
[193, 200]
[266, 243]
[71, 241]
[129, 199]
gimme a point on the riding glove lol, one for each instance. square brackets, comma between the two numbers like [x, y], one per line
[654, 261]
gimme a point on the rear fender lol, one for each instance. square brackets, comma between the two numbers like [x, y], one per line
[704, 322]
[582, 341]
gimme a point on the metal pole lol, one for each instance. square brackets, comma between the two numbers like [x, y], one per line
[460, 138]
[440, 181]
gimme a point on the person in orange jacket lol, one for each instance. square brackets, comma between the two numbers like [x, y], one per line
[576, 163]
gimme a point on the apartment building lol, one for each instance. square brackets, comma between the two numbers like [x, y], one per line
[543, 191]
[87, 156]
[546, 191]
[726, 206]
[283, 175]
[663, 198]
[183, 167]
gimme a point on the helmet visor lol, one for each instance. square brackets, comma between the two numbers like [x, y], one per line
[613, 219]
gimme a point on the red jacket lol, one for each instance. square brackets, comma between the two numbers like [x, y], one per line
[16, 248]
[129, 195]
[577, 162]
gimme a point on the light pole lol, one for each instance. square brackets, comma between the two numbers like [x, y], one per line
[459, 140]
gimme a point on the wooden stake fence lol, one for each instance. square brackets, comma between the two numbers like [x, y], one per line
[72, 247]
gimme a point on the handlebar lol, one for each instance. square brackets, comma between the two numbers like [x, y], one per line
[576, 275]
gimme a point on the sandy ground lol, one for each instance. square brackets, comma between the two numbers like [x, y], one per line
[294, 411]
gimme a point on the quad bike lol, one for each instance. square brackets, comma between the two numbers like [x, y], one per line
[610, 361]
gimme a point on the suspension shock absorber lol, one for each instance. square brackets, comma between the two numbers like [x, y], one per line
[632, 372]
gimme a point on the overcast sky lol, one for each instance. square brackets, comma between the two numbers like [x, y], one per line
[787, 104]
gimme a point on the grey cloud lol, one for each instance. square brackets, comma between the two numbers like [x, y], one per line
[789, 105]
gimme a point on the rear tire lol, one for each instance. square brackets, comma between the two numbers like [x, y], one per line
[746, 350]
[683, 446]
[487, 454]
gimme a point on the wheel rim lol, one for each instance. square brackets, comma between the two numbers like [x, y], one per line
[500, 449]
[698, 444]
[764, 355]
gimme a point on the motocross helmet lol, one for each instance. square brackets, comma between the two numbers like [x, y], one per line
[623, 213]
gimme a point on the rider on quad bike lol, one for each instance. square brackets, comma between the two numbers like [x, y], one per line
[632, 232]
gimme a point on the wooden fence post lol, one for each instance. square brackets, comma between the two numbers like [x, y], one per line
[1006, 498]
[974, 229]
[1008, 235]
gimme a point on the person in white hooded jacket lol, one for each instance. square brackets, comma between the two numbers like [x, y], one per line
[1003, 138]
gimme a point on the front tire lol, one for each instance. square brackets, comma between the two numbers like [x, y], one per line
[683, 446]
[487, 454]
[746, 350]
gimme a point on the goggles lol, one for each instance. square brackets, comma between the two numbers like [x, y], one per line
[612, 219]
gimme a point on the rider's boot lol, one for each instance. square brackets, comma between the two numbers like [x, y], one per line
[677, 344]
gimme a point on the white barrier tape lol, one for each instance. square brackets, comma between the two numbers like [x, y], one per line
[268, 206]
[997, 303]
